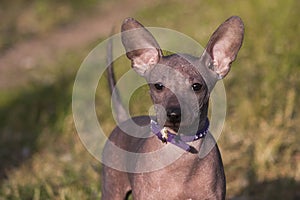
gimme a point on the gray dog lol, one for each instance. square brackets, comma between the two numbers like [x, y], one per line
[180, 87]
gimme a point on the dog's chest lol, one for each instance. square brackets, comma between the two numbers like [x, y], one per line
[186, 178]
[165, 184]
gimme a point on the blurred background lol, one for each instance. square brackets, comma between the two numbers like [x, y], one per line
[43, 42]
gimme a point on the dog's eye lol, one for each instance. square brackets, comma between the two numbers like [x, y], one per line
[159, 86]
[196, 87]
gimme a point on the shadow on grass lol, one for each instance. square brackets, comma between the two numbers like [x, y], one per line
[282, 188]
[34, 111]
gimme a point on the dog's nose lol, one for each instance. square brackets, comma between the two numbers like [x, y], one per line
[174, 115]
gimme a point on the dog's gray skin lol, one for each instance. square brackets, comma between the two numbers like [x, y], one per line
[189, 177]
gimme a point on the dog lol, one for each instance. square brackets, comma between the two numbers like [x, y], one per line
[180, 87]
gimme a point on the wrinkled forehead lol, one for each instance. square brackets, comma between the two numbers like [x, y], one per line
[176, 68]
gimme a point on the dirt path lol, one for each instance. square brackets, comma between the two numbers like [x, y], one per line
[16, 63]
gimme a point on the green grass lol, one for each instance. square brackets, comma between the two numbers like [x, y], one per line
[39, 143]
[43, 158]
[23, 19]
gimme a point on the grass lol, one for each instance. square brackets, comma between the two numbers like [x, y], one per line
[23, 20]
[39, 138]
[41, 154]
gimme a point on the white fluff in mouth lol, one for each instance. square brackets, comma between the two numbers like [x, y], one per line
[164, 132]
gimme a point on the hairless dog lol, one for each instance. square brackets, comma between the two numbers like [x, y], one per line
[180, 87]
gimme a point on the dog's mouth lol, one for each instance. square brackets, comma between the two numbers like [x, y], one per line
[181, 127]
[173, 126]
[177, 121]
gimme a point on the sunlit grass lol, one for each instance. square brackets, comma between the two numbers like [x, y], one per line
[24, 19]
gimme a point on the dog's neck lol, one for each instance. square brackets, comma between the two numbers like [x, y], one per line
[198, 125]
[184, 135]
[167, 135]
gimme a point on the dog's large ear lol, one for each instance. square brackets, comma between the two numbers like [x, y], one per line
[223, 46]
[141, 47]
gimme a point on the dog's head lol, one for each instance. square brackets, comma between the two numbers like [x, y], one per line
[180, 84]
